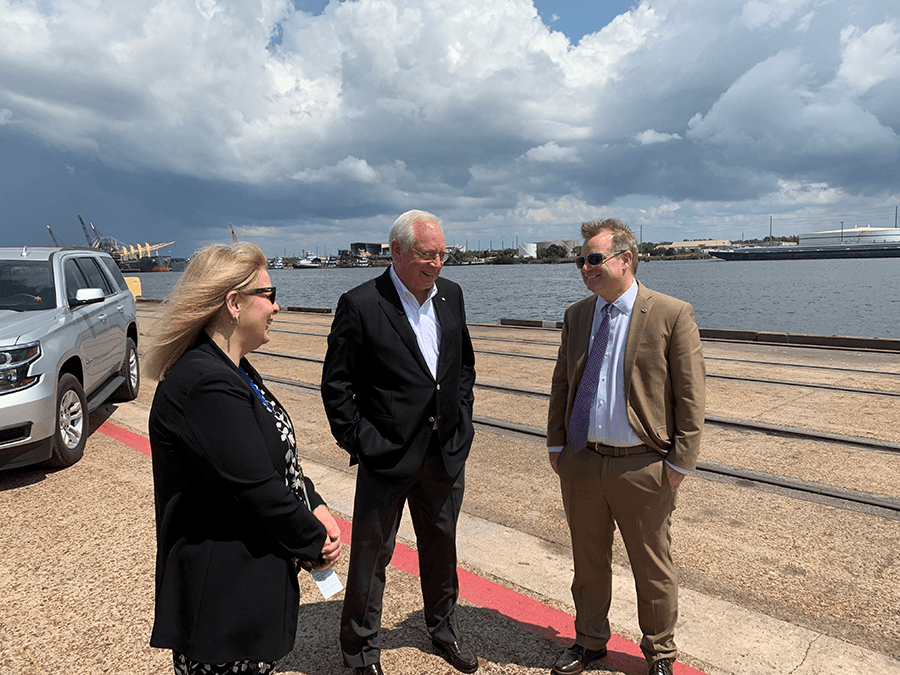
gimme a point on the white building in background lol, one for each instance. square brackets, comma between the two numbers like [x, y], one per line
[527, 250]
[851, 235]
[568, 244]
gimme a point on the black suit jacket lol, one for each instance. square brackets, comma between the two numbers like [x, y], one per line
[382, 401]
[227, 525]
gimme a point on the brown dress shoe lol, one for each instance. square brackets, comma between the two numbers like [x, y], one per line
[460, 657]
[575, 659]
[371, 669]
[661, 667]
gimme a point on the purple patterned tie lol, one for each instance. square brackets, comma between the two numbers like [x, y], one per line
[587, 388]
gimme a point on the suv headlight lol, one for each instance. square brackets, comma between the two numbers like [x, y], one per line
[14, 363]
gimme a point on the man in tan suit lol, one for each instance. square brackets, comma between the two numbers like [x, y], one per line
[623, 428]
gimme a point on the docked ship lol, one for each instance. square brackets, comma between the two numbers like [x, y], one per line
[857, 242]
[307, 264]
[153, 263]
[129, 258]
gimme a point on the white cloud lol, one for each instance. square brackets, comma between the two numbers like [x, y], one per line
[474, 108]
[870, 57]
[804, 24]
[771, 13]
[651, 136]
[551, 152]
[796, 193]
[357, 170]
[774, 116]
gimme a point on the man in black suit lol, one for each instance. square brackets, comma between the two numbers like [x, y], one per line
[397, 388]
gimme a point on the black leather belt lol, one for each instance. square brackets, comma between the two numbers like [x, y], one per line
[613, 451]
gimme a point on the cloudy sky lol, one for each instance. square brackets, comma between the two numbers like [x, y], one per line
[308, 124]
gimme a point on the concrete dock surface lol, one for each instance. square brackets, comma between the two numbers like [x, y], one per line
[770, 584]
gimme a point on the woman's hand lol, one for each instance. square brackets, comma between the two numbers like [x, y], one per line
[331, 549]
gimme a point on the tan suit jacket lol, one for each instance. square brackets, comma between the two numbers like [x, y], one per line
[665, 375]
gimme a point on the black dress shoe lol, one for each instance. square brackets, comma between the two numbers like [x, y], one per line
[661, 667]
[460, 657]
[575, 659]
[371, 669]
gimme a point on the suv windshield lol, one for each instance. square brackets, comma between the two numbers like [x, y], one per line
[26, 285]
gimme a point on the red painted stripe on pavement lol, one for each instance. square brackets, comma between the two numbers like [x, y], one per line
[136, 441]
[537, 617]
[533, 615]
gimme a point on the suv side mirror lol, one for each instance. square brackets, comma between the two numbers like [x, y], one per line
[87, 296]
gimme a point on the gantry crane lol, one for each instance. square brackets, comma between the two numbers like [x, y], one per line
[115, 248]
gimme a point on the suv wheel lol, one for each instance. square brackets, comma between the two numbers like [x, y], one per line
[131, 371]
[71, 422]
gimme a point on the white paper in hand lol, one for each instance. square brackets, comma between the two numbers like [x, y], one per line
[329, 583]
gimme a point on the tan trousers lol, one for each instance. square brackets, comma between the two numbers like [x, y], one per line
[633, 492]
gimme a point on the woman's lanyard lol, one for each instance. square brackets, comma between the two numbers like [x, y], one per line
[256, 390]
[305, 496]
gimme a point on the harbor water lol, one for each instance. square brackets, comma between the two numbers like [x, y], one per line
[856, 297]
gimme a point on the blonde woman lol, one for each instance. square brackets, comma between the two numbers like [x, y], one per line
[235, 516]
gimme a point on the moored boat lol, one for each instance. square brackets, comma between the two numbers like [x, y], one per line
[306, 264]
[859, 242]
[153, 263]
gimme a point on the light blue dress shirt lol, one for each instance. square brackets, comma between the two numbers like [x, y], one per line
[609, 417]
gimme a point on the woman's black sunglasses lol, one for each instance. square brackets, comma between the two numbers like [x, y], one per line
[268, 291]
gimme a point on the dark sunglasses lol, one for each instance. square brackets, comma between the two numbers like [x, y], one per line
[596, 258]
[267, 291]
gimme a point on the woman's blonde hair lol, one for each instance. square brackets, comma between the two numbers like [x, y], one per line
[198, 296]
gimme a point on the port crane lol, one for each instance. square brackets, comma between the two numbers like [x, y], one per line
[114, 247]
[53, 237]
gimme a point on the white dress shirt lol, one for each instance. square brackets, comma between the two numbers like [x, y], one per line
[423, 320]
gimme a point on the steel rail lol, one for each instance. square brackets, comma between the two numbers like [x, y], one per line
[872, 444]
[710, 335]
[846, 498]
[796, 487]
[811, 366]
[760, 380]
[779, 364]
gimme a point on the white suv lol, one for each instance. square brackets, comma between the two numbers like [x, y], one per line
[68, 341]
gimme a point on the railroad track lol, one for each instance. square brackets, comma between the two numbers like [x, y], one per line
[874, 444]
[881, 505]
[540, 343]
[822, 493]
[741, 378]
[778, 364]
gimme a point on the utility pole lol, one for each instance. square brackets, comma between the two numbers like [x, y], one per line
[771, 243]
[842, 231]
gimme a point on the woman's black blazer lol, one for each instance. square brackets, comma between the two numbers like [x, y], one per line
[227, 524]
